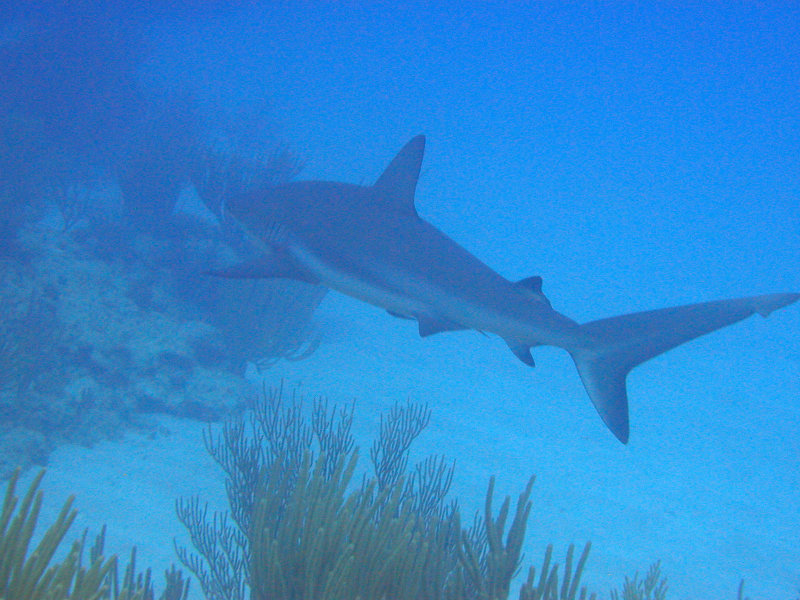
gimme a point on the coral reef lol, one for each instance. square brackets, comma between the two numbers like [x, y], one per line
[105, 313]
[23, 145]
[652, 587]
[156, 167]
[547, 588]
[108, 315]
[82, 361]
[136, 585]
[299, 528]
[34, 575]
[305, 528]
[245, 311]
[224, 168]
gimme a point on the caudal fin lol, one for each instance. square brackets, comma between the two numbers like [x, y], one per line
[620, 343]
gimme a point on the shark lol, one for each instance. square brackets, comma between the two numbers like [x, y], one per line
[369, 242]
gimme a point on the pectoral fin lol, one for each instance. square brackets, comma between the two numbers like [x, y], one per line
[429, 326]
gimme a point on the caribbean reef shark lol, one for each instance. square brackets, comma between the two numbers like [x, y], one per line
[369, 242]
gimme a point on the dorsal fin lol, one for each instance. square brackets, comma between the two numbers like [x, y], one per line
[398, 183]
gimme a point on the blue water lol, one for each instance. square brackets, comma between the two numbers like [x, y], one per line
[635, 157]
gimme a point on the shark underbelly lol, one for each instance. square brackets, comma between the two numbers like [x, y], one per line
[501, 309]
[361, 285]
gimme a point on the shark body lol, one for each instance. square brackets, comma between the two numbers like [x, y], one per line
[369, 242]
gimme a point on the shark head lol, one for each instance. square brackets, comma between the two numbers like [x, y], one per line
[253, 209]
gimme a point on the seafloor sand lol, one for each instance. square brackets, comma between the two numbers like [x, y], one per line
[707, 484]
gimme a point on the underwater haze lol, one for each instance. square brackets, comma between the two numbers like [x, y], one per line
[635, 156]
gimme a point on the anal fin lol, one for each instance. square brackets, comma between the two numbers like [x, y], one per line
[522, 352]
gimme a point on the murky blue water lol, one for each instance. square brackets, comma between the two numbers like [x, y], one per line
[634, 157]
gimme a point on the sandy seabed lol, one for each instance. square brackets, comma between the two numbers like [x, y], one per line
[707, 488]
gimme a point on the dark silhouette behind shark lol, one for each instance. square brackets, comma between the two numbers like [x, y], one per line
[369, 242]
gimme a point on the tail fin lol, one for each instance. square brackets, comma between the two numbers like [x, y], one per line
[621, 343]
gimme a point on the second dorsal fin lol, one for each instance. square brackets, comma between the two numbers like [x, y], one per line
[533, 286]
